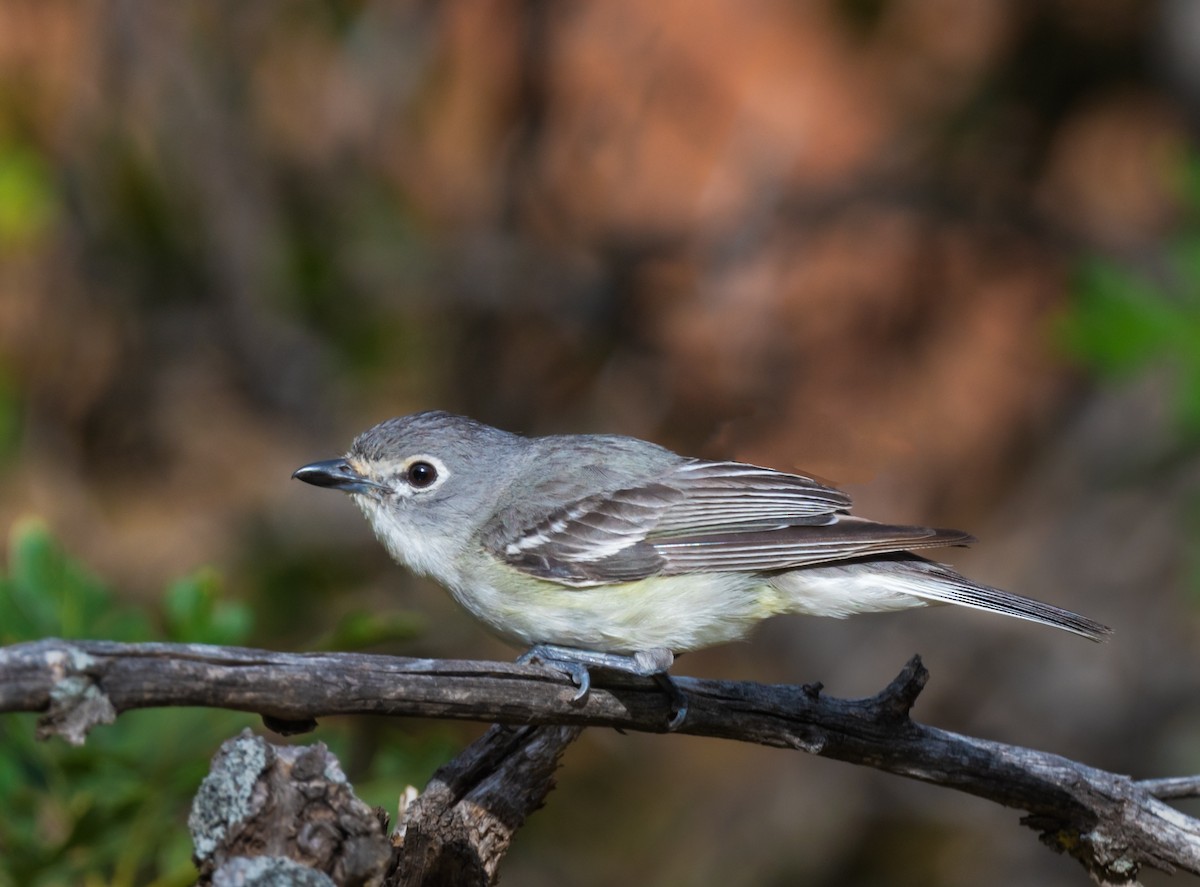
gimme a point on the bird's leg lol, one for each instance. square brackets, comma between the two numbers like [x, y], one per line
[575, 663]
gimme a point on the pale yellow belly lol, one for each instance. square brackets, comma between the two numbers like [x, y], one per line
[678, 613]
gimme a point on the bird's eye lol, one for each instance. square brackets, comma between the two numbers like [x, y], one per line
[421, 474]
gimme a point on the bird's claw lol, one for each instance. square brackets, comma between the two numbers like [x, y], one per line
[580, 677]
[645, 663]
[578, 672]
[677, 698]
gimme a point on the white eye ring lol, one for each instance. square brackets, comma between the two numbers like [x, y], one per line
[423, 473]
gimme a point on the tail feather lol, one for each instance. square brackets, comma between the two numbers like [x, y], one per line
[936, 582]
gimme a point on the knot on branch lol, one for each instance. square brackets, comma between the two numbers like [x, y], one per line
[77, 704]
[893, 703]
[1108, 857]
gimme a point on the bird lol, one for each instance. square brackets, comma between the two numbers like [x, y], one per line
[611, 552]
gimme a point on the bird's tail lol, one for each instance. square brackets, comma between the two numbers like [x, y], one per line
[899, 580]
[937, 582]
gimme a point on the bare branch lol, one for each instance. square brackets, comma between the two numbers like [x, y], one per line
[1171, 787]
[1107, 821]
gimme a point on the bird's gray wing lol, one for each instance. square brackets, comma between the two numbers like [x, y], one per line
[702, 517]
[842, 538]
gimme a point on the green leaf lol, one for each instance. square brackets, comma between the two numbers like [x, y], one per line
[195, 613]
[47, 593]
[1118, 324]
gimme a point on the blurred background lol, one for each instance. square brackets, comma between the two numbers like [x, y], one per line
[943, 254]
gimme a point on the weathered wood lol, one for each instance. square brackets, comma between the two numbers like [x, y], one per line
[1110, 823]
[283, 815]
[456, 832]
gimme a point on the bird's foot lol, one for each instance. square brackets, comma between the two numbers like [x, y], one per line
[558, 659]
[575, 663]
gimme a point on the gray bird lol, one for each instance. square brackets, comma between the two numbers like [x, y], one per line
[612, 552]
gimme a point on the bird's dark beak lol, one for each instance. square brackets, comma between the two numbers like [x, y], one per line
[336, 473]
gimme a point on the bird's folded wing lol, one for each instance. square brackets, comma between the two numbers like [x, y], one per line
[718, 497]
[703, 517]
[798, 546]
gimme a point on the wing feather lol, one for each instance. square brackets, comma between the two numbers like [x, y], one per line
[798, 546]
[704, 517]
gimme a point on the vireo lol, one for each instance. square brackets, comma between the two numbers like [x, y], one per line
[608, 551]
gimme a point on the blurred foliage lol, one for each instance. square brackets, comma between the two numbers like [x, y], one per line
[194, 613]
[27, 195]
[297, 589]
[10, 417]
[359, 630]
[1123, 321]
[114, 811]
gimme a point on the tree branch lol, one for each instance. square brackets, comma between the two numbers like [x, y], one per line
[1107, 821]
[458, 829]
